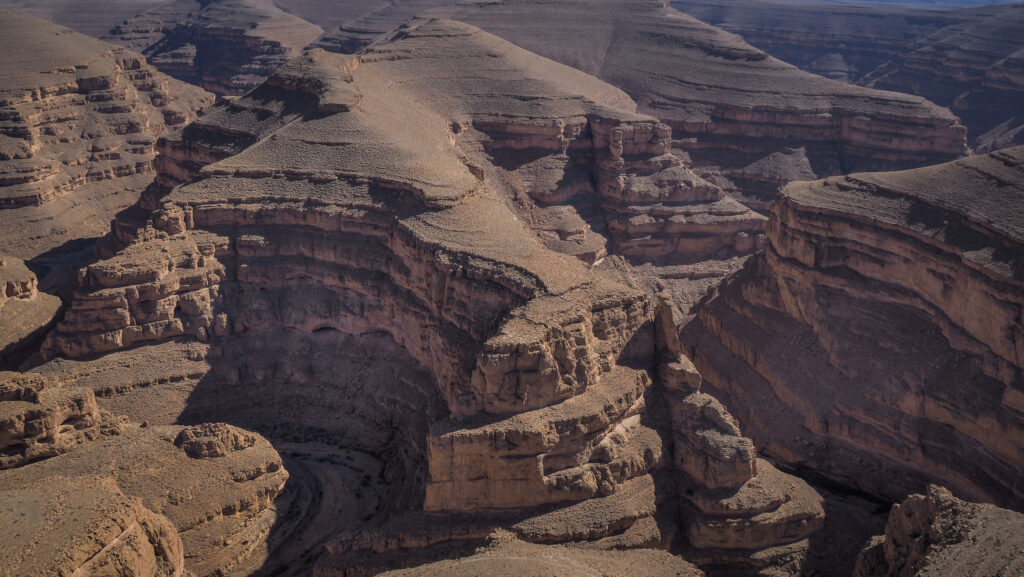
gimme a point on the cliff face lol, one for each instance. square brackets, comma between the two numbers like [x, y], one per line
[226, 46]
[938, 534]
[80, 121]
[918, 271]
[525, 381]
[25, 313]
[746, 119]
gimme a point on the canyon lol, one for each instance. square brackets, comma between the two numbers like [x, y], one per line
[448, 290]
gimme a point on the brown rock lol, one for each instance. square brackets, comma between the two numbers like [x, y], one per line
[938, 534]
[874, 341]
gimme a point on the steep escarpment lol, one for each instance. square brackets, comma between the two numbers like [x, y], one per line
[729, 105]
[877, 340]
[975, 67]
[524, 384]
[80, 119]
[938, 534]
[226, 46]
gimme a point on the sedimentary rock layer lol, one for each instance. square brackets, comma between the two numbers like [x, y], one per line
[728, 104]
[205, 493]
[938, 534]
[225, 46]
[448, 197]
[840, 42]
[877, 341]
[975, 67]
[78, 122]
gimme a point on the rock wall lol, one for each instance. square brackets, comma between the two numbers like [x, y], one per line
[869, 273]
[728, 104]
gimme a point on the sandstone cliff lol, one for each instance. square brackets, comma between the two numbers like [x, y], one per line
[975, 67]
[840, 42]
[76, 500]
[877, 340]
[80, 121]
[967, 60]
[526, 387]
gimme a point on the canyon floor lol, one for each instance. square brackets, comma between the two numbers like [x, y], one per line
[419, 287]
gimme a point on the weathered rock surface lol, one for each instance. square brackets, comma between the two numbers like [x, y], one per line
[840, 42]
[877, 340]
[226, 46]
[202, 502]
[84, 526]
[506, 556]
[80, 119]
[312, 237]
[976, 68]
[25, 313]
[728, 104]
[967, 60]
[938, 534]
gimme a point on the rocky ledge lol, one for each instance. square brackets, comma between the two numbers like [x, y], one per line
[877, 342]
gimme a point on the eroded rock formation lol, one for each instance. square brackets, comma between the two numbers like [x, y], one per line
[877, 340]
[730, 106]
[25, 313]
[975, 67]
[80, 121]
[526, 390]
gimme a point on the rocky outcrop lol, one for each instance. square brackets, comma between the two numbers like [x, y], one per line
[79, 111]
[80, 119]
[729, 105]
[877, 340]
[25, 313]
[522, 389]
[938, 534]
[226, 46]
